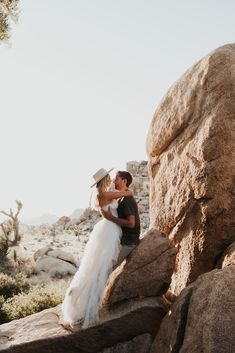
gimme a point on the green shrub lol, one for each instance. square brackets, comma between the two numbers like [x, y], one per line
[24, 304]
[10, 286]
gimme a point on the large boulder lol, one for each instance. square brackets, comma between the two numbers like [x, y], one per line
[54, 267]
[228, 257]
[54, 262]
[147, 271]
[42, 332]
[41, 252]
[202, 319]
[191, 152]
[62, 255]
[62, 222]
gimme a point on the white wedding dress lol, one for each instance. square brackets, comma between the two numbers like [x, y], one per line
[85, 293]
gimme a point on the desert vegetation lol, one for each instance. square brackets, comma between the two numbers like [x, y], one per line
[23, 289]
[20, 298]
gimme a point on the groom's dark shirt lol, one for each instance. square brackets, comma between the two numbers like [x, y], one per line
[127, 206]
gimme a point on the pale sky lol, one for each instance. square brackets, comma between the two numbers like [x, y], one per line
[80, 84]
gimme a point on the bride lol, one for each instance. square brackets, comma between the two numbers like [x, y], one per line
[85, 293]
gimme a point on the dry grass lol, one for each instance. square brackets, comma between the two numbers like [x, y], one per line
[20, 298]
[24, 304]
[10, 286]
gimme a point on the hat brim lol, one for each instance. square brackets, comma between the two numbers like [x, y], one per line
[101, 177]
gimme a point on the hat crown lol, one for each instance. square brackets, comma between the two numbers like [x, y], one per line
[100, 174]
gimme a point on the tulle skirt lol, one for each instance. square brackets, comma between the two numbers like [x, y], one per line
[85, 293]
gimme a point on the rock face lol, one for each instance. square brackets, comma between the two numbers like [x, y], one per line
[41, 332]
[191, 152]
[147, 272]
[202, 318]
[140, 187]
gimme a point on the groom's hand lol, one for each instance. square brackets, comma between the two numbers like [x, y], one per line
[107, 214]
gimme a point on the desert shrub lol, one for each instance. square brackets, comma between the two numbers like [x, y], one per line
[24, 304]
[4, 246]
[10, 286]
[3, 317]
[24, 265]
[2, 300]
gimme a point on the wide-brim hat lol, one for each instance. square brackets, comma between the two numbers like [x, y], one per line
[100, 174]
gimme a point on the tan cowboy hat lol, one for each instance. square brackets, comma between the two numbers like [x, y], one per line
[100, 175]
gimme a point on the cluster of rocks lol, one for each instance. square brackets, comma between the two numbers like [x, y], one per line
[83, 225]
[189, 247]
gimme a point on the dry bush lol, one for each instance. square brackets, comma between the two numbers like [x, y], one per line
[10, 286]
[3, 249]
[5, 233]
[14, 263]
[22, 264]
[24, 304]
[3, 317]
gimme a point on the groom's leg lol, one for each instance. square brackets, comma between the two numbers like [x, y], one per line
[124, 252]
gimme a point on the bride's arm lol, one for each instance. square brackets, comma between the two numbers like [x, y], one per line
[110, 195]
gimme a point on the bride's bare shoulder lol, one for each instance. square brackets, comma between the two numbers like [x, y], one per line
[102, 200]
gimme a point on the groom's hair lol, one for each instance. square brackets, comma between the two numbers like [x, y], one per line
[127, 176]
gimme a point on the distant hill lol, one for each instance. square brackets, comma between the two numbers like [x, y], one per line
[76, 213]
[46, 218]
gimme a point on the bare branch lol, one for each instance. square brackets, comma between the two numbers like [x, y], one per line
[14, 221]
[6, 214]
[19, 206]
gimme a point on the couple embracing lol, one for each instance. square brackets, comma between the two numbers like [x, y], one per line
[110, 242]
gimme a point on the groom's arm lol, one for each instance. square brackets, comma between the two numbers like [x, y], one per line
[128, 222]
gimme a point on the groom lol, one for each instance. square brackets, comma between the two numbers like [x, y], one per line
[128, 217]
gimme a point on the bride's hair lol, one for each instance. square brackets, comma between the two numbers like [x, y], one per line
[103, 184]
[101, 187]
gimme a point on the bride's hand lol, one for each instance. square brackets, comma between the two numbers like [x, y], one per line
[106, 214]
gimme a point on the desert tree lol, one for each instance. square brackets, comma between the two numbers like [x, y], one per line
[14, 222]
[8, 12]
[4, 242]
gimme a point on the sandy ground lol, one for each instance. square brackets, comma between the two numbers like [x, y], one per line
[37, 237]
[34, 238]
